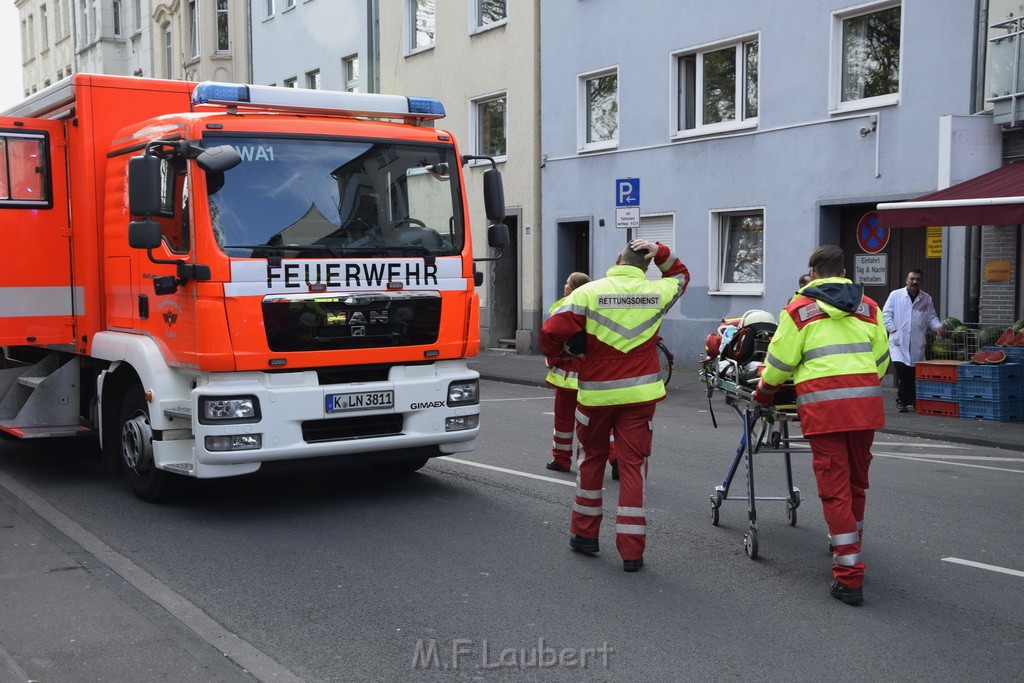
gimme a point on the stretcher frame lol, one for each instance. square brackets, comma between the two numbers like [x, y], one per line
[772, 437]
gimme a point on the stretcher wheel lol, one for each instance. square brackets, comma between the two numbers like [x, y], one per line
[791, 514]
[750, 543]
[714, 511]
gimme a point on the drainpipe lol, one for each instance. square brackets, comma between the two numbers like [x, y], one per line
[372, 66]
[972, 295]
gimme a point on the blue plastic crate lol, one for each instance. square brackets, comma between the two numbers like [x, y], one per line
[1001, 371]
[990, 389]
[1014, 354]
[936, 391]
[997, 411]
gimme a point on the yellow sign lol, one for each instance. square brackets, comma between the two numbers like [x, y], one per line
[997, 271]
[933, 242]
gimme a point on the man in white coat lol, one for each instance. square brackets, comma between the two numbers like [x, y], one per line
[908, 313]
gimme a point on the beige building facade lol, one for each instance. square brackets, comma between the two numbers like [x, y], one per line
[201, 40]
[481, 60]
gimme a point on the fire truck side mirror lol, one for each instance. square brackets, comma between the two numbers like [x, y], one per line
[219, 159]
[144, 234]
[497, 235]
[494, 196]
[144, 185]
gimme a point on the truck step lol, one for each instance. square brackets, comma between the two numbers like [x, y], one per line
[43, 432]
[31, 382]
[506, 343]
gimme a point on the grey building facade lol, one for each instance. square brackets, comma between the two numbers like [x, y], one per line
[755, 133]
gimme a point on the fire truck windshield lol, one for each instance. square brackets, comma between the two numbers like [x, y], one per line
[311, 198]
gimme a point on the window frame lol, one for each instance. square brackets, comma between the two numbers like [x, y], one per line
[476, 124]
[476, 18]
[44, 30]
[680, 92]
[312, 79]
[222, 15]
[46, 174]
[648, 231]
[411, 12]
[350, 75]
[718, 243]
[836, 103]
[583, 110]
[192, 16]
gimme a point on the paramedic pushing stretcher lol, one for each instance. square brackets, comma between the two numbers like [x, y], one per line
[833, 343]
[618, 386]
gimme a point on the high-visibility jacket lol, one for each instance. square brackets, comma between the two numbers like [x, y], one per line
[832, 342]
[620, 315]
[563, 370]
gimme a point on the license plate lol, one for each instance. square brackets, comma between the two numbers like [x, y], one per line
[363, 400]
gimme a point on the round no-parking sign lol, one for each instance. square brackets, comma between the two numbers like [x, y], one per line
[871, 236]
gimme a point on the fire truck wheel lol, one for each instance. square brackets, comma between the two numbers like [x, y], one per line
[136, 443]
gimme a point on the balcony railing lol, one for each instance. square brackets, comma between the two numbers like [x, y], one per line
[1005, 75]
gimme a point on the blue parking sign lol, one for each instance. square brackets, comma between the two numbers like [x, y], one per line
[627, 192]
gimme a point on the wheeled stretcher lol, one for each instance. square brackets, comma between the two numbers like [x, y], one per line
[765, 430]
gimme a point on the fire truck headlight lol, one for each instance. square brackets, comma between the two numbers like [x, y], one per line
[234, 442]
[461, 423]
[464, 393]
[228, 409]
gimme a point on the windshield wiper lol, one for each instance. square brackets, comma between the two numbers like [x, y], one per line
[280, 248]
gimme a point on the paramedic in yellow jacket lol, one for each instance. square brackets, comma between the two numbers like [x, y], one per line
[562, 375]
[618, 386]
[832, 342]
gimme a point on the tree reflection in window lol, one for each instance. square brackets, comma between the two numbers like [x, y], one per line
[603, 108]
[492, 11]
[743, 247]
[871, 55]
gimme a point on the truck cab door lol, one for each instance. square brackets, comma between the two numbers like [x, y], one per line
[38, 299]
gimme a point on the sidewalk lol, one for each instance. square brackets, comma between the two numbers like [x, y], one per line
[687, 391]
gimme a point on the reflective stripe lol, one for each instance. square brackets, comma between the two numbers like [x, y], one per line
[838, 394]
[635, 529]
[561, 446]
[775, 362]
[562, 435]
[883, 359]
[586, 510]
[627, 383]
[846, 560]
[767, 390]
[845, 539]
[860, 525]
[631, 512]
[589, 494]
[31, 302]
[581, 418]
[837, 349]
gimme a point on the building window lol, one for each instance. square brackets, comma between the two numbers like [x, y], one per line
[58, 21]
[223, 35]
[168, 54]
[289, 4]
[657, 228]
[117, 17]
[24, 41]
[422, 23]
[83, 22]
[31, 36]
[45, 42]
[718, 88]
[491, 122]
[313, 79]
[270, 8]
[739, 238]
[193, 30]
[489, 13]
[599, 111]
[350, 68]
[866, 68]
[292, 82]
[138, 15]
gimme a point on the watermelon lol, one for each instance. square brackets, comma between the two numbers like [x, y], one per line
[1018, 340]
[995, 357]
[982, 357]
[989, 336]
[1018, 326]
[1006, 337]
[951, 323]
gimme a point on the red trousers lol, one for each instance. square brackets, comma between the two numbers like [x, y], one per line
[633, 437]
[565, 422]
[841, 461]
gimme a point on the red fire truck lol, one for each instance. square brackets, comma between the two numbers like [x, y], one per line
[210, 277]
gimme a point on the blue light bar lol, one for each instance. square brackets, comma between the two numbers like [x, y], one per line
[270, 98]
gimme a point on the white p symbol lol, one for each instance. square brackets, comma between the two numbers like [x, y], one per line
[625, 189]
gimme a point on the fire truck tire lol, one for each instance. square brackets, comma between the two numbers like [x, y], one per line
[136, 448]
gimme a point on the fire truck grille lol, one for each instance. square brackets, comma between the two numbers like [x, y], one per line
[356, 321]
[318, 431]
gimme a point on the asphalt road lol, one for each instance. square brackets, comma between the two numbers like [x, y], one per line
[463, 571]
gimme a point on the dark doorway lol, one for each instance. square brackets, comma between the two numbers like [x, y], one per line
[906, 249]
[504, 294]
[573, 248]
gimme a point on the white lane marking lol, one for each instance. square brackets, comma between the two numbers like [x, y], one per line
[507, 471]
[947, 462]
[980, 565]
[527, 398]
[915, 456]
[258, 664]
